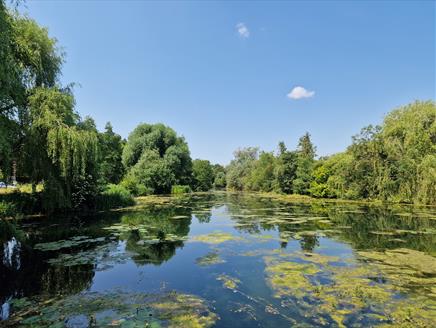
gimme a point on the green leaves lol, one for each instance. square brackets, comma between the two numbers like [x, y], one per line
[202, 174]
[156, 158]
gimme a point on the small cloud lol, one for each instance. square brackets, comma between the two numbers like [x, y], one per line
[300, 93]
[242, 30]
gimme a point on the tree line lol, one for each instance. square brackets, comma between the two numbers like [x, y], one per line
[43, 138]
[394, 162]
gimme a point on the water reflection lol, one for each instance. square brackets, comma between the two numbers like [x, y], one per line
[67, 255]
[4, 309]
[11, 254]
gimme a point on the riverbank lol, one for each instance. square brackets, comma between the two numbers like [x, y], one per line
[307, 199]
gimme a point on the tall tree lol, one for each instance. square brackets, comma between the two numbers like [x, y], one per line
[39, 126]
[59, 150]
[202, 175]
[285, 170]
[305, 160]
[219, 173]
[261, 177]
[155, 159]
[111, 168]
[240, 167]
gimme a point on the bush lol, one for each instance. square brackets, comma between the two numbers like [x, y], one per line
[114, 196]
[7, 210]
[179, 189]
[23, 202]
[131, 184]
[8, 230]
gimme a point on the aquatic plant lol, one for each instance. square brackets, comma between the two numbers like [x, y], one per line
[115, 308]
[68, 243]
[216, 237]
[209, 259]
[347, 293]
[228, 281]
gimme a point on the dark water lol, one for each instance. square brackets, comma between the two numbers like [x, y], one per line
[222, 260]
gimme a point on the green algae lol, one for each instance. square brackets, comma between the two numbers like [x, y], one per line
[146, 233]
[183, 310]
[216, 237]
[68, 243]
[229, 282]
[345, 292]
[405, 268]
[209, 259]
[289, 278]
[118, 308]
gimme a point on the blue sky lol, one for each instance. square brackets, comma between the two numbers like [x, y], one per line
[222, 73]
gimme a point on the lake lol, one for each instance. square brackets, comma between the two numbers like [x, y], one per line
[222, 260]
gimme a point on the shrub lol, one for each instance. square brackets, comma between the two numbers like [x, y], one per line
[131, 184]
[114, 196]
[179, 189]
[23, 202]
[7, 210]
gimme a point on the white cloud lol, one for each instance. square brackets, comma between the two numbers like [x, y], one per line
[242, 30]
[300, 93]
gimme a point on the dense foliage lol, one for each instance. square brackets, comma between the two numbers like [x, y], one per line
[41, 133]
[202, 175]
[155, 159]
[219, 173]
[392, 162]
[114, 196]
[111, 150]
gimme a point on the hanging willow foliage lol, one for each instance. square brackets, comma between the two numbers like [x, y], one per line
[54, 119]
[57, 136]
[70, 148]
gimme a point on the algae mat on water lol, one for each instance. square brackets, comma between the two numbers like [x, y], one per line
[119, 309]
[326, 288]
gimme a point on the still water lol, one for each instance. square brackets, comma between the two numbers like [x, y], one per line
[222, 260]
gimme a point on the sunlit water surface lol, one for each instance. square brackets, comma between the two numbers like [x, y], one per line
[222, 260]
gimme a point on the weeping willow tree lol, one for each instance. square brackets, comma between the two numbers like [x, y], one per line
[39, 128]
[62, 152]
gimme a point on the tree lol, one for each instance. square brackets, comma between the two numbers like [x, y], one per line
[240, 167]
[408, 135]
[151, 175]
[394, 161]
[202, 175]
[29, 59]
[111, 168]
[60, 150]
[40, 128]
[305, 147]
[219, 173]
[367, 151]
[305, 160]
[261, 177]
[156, 158]
[285, 170]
